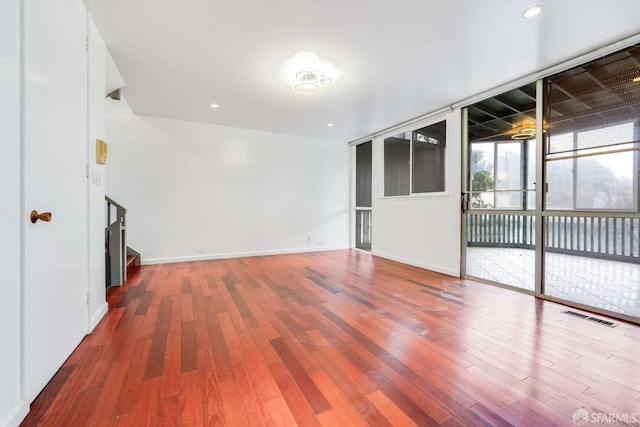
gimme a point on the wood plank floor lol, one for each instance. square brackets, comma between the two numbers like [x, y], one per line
[337, 338]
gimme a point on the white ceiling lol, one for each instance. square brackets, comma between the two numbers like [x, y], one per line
[398, 59]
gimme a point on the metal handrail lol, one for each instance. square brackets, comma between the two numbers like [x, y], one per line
[116, 246]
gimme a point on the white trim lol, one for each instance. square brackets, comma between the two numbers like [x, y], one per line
[431, 267]
[417, 123]
[152, 261]
[361, 141]
[88, 117]
[529, 78]
[97, 317]
[15, 416]
[23, 210]
[408, 123]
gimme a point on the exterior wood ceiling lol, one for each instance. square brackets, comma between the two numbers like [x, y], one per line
[599, 93]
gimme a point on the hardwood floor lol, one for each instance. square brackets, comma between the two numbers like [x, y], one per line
[337, 338]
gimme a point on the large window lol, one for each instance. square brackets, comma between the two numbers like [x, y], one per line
[593, 169]
[414, 162]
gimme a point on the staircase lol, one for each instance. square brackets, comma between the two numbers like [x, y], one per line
[133, 261]
[120, 259]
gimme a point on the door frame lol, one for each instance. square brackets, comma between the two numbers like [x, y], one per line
[539, 213]
[539, 227]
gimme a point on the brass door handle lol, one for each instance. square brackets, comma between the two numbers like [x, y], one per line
[44, 216]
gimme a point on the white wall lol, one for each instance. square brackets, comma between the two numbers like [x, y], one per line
[197, 191]
[12, 408]
[422, 231]
[96, 184]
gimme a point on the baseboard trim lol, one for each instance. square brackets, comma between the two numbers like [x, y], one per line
[432, 267]
[16, 415]
[97, 317]
[151, 261]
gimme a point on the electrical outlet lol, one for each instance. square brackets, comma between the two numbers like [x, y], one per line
[200, 250]
[320, 243]
[308, 238]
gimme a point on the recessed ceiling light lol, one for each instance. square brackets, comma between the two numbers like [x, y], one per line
[636, 80]
[532, 11]
[214, 105]
[330, 125]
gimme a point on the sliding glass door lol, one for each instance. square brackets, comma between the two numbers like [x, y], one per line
[499, 195]
[576, 237]
[592, 247]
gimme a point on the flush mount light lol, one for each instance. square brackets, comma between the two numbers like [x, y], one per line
[310, 81]
[527, 133]
[330, 125]
[306, 73]
[532, 11]
[214, 105]
[306, 87]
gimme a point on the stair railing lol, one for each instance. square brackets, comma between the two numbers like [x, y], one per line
[115, 243]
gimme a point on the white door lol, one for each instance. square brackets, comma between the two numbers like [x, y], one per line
[55, 132]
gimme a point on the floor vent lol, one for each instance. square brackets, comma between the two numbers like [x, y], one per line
[591, 318]
[603, 322]
[576, 314]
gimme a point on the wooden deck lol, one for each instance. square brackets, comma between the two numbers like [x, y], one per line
[336, 338]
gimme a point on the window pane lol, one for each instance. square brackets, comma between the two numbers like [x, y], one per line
[560, 179]
[429, 158]
[531, 174]
[363, 230]
[508, 169]
[605, 181]
[559, 174]
[396, 165]
[508, 199]
[363, 174]
[481, 164]
[483, 200]
[606, 136]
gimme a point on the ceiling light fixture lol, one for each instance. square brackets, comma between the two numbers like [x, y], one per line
[310, 81]
[214, 105]
[527, 133]
[330, 125]
[532, 11]
[309, 74]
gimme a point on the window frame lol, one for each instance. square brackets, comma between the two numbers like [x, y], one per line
[524, 170]
[411, 128]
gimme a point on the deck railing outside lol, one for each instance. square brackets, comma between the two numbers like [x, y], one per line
[605, 237]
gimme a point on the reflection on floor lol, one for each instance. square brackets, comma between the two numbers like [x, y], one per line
[609, 285]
